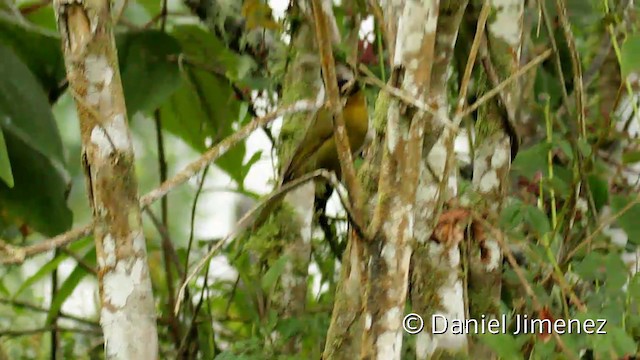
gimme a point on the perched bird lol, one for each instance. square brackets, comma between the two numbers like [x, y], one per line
[318, 150]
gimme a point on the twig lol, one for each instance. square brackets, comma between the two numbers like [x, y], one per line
[406, 97]
[522, 278]
[33, 307]
[221, 148]
[163, 225]
[496, 90]
[247, 220]
[609, 220]
[17, 254]
[323, 38]
[27, 332]
[471, 60]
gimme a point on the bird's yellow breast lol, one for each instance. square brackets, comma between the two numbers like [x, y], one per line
[318, 148]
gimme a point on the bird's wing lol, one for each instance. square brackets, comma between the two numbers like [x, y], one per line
[319, 131]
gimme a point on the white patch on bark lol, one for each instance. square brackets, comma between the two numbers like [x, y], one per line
[120, 283]
[451, 295]
[127, 335]
[493, 248]
[392, 132]
[113, 136]
[367, 321]
[138, 242]
[109, 248]
[389, 255]
[507, 24]
[97, 70]
[489, 181]
[388, 345]
[93, 95]
[437, 158]
[426, 345]
[500, 156]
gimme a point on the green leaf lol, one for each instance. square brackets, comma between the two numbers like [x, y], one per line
[38, 48]
[205, 109]
[504, 345]
[631, 157]
[24, 109]
[149, 68]
[38, 197]
[5, 165]
[537, 219]
[69, 285]
[599, 189]
[532, 160]
[629, 220]
[272, 275]
[51, 265]
[45, 270]
[591, 267]
[629, 55]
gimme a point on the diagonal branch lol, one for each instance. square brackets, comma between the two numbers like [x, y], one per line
[323, 37]
[17, 254]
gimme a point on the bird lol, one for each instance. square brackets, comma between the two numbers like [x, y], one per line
[317, 149]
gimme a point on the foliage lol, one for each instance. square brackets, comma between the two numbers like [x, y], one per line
[201, 83]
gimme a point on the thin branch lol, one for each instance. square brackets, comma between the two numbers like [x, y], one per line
[27, 332]
[33, 307]
[575, 66]
[496, 90]
[221, 148]
[407, 98]
[471, 60]
[248, 218]
[17, 254]
[323, 38]
[522, 278]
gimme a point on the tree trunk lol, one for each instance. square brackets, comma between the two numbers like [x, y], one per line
[127, 311]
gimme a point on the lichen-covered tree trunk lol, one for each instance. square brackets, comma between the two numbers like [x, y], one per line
[302, 80]
[411, 29]
[127, 311]
[436, 284]
[493, 156]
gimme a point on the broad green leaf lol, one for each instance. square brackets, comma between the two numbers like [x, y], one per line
[205, 108]
[629, 220]
[38, 48]
[38, 197]
[629, 56]
[69, 284]
[24, 109]
[504, 345]
[149, 69]
[537, 219]
[600, 190]
[591, 267]
[43, 16]
[532, 160]
[5, 165]
[631, 157]
[272, 275]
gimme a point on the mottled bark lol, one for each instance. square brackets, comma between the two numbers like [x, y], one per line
[392, 228]
[127, 311]
[344, 337]
[436, 285]
[302, 80]
[492, 157]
